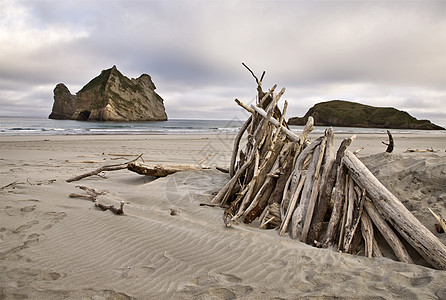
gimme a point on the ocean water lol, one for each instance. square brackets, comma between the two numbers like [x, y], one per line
[40, 126]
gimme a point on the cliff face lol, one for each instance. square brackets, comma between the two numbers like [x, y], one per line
[350, 114]
[64, 104]
[112, 96]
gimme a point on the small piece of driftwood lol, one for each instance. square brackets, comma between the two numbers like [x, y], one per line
[85, 161]
[10, 185]
[92, 195]
[112, 208]
[422, 151]
[440, 219]
[390, 145]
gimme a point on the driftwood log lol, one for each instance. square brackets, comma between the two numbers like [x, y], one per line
[161, 170]
[415, 233]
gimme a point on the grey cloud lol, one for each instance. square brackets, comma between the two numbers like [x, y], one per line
[319, 50]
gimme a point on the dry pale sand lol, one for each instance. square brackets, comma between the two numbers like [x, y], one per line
[56, 247]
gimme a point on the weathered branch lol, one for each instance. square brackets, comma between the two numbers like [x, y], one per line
[103, 169]
[259, 82]
[367, 233]
[391, 238]
[236, 145]
[390, 144]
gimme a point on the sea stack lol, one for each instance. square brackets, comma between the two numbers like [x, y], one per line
[110, 96]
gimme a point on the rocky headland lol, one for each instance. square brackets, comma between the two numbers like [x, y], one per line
[111, 96]
[342, 113]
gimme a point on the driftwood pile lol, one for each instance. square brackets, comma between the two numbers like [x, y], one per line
[322, 196]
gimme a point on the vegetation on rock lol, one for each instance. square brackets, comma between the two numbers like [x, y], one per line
[342, 113]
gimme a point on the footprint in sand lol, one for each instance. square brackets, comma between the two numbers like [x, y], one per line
[230, 278]
[53, 217]
[421, 281]
[12, 253]
[217, 293]
[26, 226]
[13, 211]
[24, 276]
[217, 286]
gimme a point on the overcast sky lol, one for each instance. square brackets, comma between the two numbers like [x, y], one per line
[381, 53]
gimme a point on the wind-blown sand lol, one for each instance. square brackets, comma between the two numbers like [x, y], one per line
[56, 247]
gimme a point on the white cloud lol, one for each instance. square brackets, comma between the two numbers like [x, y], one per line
[21, 33]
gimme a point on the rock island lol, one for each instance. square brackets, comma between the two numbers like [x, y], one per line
[110, 96]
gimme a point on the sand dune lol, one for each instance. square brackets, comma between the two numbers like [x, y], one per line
[55, 247]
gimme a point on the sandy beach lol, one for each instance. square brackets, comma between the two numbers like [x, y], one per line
[56, 247]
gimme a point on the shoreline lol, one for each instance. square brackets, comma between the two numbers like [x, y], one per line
[371, 142]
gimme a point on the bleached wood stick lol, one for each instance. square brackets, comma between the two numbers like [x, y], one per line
[351, 199]
[292, 205]
[333, 224]
[284, 171]
[260, 173]
[237, 144]
[88, 197]
[285, 201]
[415, 233]
[320, 207]
[296, 185]
[344, 212]
[91, 191]
[224, 193]
[265, 101]
[439, 218]
[250, 187]
[299, 213]
[338, 181]
[302, 152]
[367, 233]
[98, 171]
[302, 162]
[357, 213]
[273, 155]
[391, 238]
[332, 160]
[273, 121]
[314, 194]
